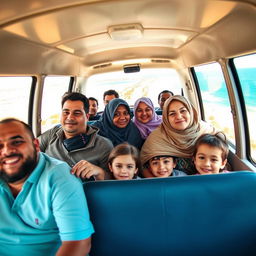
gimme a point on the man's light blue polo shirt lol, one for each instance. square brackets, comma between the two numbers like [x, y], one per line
[50, 208]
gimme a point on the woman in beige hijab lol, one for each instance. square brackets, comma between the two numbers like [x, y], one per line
[176, 135]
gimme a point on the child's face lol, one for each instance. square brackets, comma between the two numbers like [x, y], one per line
[123, 167]
[162, 166]
[208, 159]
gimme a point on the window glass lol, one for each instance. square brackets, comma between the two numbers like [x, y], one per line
[14, 97]
[215, 98]
[246, 69]
[54, 88]
[131, 86]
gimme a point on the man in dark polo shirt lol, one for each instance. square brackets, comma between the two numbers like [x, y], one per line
[74, 141]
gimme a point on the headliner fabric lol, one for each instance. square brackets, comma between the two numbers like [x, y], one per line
[192, 215]
[165, 140]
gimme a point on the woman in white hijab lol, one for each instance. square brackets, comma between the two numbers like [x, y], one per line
[176, 135]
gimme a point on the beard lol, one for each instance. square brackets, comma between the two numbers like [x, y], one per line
[25, 170]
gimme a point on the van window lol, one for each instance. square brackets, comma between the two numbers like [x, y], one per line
[246, 70]
[215, 98]
[14, 97]
[54, 88]
[131, 86]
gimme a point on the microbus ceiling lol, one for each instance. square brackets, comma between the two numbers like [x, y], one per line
[106, 31]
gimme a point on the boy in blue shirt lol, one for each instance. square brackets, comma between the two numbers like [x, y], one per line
[163, 166]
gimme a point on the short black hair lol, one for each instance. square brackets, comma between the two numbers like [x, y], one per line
[27, 127]
[92, 98]
[110, 92]
[161, 156]
[217, 140]
[147, 164]
[164, 91]
[73, 96]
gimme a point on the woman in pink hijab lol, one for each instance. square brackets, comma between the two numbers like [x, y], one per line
[145, 117]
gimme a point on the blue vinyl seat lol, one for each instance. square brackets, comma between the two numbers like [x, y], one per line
[201, 215]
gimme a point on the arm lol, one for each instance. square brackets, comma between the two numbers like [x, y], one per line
[85, 170]
[70, 212]
[75, 248]
[105, 148]
[44, 140]
[46, 137]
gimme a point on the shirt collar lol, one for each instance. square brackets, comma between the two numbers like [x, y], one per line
[34, 176]
[89, 130]
[36, 173]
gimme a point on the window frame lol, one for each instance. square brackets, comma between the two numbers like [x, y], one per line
[200, 98]
[69, 88]
[242, 147]
[30, 102]
[243, 109]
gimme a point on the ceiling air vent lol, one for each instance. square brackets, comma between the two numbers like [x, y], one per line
[102, 66]
[125, 31]
[160, 61]
[132, 68]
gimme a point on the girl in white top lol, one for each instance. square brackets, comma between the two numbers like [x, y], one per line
[124, 162]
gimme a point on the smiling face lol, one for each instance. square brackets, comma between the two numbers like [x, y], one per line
[163, 97]
[208, 159]
[143, 113]
[73, 118]
[178, 115]
[18, 152]
[108, 98]
[121, 117]
[161, 166]
[123, 167]
[93, 107]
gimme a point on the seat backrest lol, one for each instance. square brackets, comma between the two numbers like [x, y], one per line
[191, 215]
